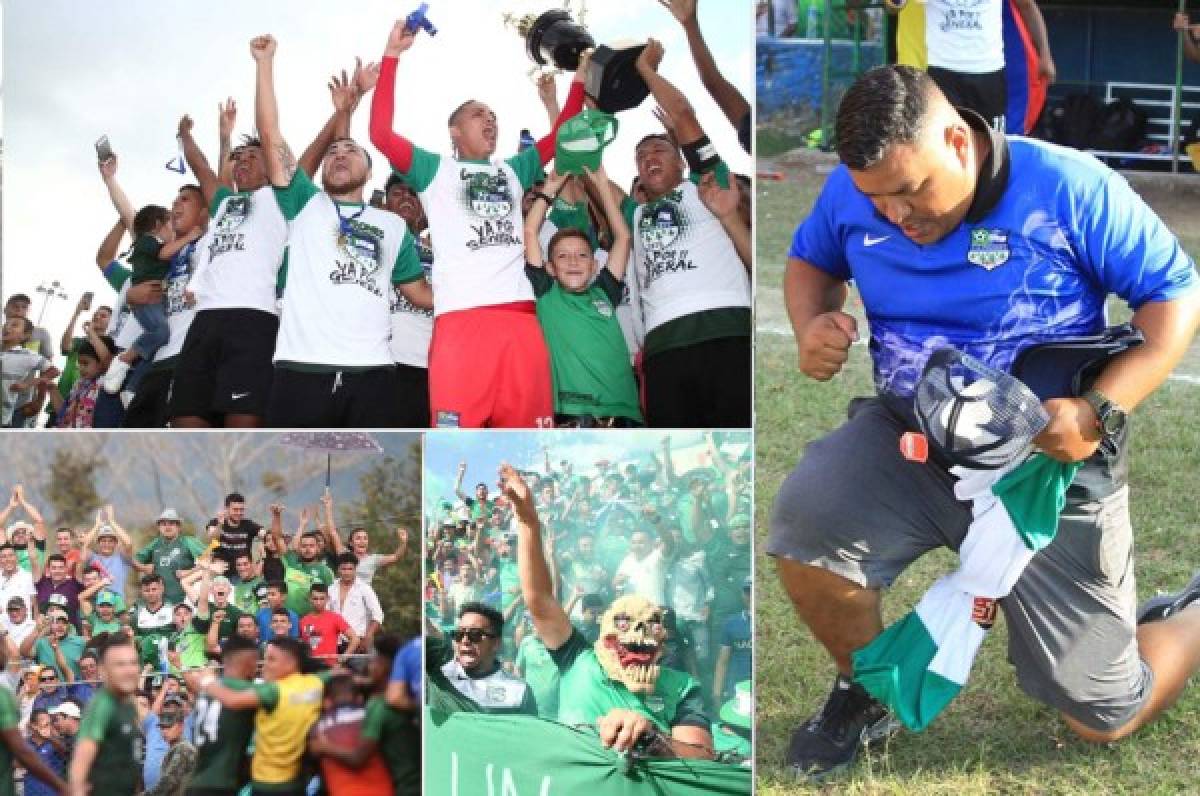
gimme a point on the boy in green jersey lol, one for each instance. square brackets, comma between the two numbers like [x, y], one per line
[577, 308]
[110, 748]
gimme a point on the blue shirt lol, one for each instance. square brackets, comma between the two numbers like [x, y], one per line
[49, 756]
[738, 636]
[264, 624]
[407, 667]
[117, 566]
[1035, 265]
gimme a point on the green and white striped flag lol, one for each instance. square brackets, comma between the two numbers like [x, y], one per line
[920, 663]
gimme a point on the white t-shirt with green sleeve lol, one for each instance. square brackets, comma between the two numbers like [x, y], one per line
[343, 262]
[239, 263]
[474, 211]
[683, 259]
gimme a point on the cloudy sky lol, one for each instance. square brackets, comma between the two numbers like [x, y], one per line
[485, 451]
[75, 71]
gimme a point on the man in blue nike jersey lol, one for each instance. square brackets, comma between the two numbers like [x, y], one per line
[956, 236]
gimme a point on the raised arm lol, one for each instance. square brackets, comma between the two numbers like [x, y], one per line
[68, 339]
[669, 98]
[345, 93]
[196, 160]
[537, 216]
[331, 531]
[124, 208]
[570, 108]
[276, 528]
[401, 549]
[458, 481]
[728, 98]
[280, 162]
[551, 622]
[723, 203]
[622, 241]
[397, 149]
[548, 93]
[122, 535]
[226, 119]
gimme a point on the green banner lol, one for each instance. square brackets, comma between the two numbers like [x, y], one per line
[474, 754]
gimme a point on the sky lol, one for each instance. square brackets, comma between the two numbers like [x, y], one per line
[76, 71]
[485, 451]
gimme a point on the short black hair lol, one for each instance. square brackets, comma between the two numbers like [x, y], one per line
[292, 646]
[56, 557]
[234, 497]
[7, 546]
[282, 612]
[318, 588]
[235, 644]
[454, 113]
[393, 181]
[110, 641]
[153, 577]
[361, 148]
[347, 558]
[277, 584]
[194, 188]
[86, 349]
[494, 617]
[886, 106]
[387, 645]
[146, 219]
[18, 297]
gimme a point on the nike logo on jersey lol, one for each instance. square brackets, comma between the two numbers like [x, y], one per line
[868, 241]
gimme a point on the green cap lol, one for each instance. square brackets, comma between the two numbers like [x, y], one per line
[581, 141]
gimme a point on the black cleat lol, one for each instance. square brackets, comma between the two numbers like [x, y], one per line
[829, 741]
[1165, 605]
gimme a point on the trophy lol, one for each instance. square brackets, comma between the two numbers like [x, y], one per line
[612, 80]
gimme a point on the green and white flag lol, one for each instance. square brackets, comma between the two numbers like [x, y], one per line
[920, 663]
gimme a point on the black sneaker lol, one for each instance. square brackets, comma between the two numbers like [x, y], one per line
[1165, 605]
[829, 741]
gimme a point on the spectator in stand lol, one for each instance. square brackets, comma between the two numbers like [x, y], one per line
[66, 723]
[43, 738]
[303, 565]
[107, 548]
[233, 530]
[323, 629]
[57, 582]
[16, 625]
[644, 570]
[28, 538]
[15, 583]
[152, 619]
[13, 748]
[276, 594]
[356, 601]
[249, 591]
[170, 555]
[55, 644]
[359, 540]
[735, 660]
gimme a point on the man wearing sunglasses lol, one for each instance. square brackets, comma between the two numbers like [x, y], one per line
[55, 645]
[465, 675]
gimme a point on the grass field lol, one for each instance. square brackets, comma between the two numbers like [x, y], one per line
[992, 739]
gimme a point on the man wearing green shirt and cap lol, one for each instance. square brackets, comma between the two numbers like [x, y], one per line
[171, 556]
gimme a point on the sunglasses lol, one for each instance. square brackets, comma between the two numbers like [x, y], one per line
[50, 679]
[472, 634]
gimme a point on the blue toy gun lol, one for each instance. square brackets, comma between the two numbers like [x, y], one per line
[417, 21]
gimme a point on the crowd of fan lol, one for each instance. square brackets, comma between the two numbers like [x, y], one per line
[211, 327]
[241, 594]
[681, 540]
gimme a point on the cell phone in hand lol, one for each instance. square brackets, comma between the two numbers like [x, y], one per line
[103, 149]
[377, 198]
[85, 301]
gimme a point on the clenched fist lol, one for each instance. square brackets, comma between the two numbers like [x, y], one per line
[825, 344]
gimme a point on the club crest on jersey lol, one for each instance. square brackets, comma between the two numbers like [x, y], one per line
[989, 248]
[488, 195]
[237, 209]
[660, 226]
[603, 307]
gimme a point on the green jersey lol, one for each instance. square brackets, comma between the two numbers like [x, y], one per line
[398, 738]
[10, 717]
[245, 596]
[222, 738]
[589, 359]
[168, 556]
[497, 693]
[189, 643]
[113, 724]
[299, 577]
[538, 669]
[586, 692]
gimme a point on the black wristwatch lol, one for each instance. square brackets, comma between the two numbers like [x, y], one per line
[1110, 418]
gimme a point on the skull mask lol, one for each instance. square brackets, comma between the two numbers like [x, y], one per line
[631, 643]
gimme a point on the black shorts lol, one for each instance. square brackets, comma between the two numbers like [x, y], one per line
[986, 94]
[342, 399]
[212, 791]
[705, 385]
[148, 409]
[225, 365]
[412, 396]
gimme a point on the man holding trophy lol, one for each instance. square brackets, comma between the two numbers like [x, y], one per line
[488, 363]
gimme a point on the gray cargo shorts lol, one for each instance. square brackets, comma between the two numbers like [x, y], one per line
[854, 506]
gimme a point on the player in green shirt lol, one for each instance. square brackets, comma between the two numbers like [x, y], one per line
[589, 358]
[12, 743]
[170, 556]
[222, 735]
[109, 749]
[617, 684]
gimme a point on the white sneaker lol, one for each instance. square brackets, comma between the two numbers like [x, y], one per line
[115, 376]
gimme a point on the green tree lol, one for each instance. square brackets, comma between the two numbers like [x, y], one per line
[72, 487]
[390, 498]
